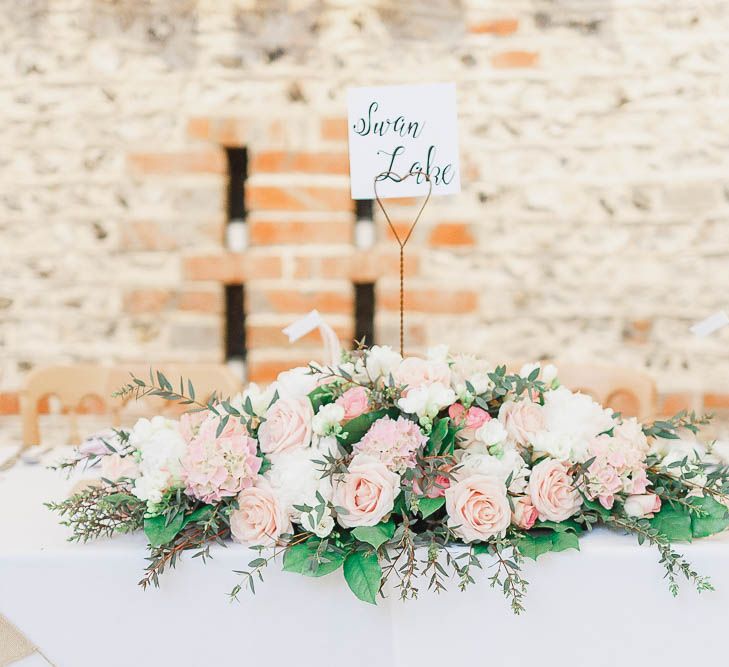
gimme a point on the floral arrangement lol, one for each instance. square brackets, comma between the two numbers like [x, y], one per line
[406, 470]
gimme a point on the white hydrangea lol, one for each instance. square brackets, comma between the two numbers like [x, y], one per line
[382, 361]
[296, 383]
[160, 448]
[327, 420]
[427, 401]
[501, 466]
[296, 479]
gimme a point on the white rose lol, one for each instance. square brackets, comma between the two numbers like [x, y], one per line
[549, 374]
[427, 401]
[478, 507]
[296, 383]
[510, 463]
[643, 505]
[381, 361]
[438, 353]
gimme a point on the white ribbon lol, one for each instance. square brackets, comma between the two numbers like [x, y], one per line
[710, 324]
[307, 324]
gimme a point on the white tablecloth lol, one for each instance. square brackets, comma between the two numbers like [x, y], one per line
[606, 605]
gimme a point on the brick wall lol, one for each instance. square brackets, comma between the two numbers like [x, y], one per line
[593, 222]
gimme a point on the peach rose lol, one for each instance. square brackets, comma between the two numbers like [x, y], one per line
[367, 492]
[416, 372]
[287, 426]
[552, 491]
[524, 515]
[260, 517]
[522, 419]
[354, 401]
[642, 505]
[477, 507]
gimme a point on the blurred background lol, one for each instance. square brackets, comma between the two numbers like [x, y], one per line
[175, 184]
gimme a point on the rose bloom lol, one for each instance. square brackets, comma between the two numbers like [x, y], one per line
[260, 517]
[478, 507]
[552, 491]
[415, 372]
[522, 419]
[471, 420]
[524, 514]
[643, 505]
[287, 426]
[367, 492]
[354, 401]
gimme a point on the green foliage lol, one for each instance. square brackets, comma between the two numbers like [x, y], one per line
[321, 396]
[161, 529]
[668, 428]
[428, 506]
[311, 560]
[701, 518]
[377, 535]
[537, 542]
[363, 574]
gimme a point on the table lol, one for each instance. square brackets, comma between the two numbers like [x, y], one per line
[606, 605]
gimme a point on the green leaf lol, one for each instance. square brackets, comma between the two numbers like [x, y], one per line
[437, 435]
[200, 514]
[429, 505]
[714, 520]
[561, 527]
[363, 575]
[673, 523]
[536, 543]
[597, 507]
[159, 533]
[375, 535]
[355, 429]
[320, 396]
[301, 559]
[116, 499]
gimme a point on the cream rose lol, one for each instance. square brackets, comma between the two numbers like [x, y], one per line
[415, 372]
[367, 492]
[478, 507]
[642, 505]
[522, 419]
[287, 426]
[524, 514]
[552, 491]
[260, 518]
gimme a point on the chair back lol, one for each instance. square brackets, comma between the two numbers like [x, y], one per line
[627, 391]
[87, 388]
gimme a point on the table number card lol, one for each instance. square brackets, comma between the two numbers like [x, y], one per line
[403, 129]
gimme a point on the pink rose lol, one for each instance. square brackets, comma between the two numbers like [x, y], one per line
[115, 467]
[260, 517]
[642, 505]
[367, 492]
[470, 420]
[522, 419]
[552, 491]
[416, 372]
[478, 507]
[354, 401]
[524, 514]
[287, 426]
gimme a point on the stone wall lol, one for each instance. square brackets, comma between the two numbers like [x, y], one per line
[593, 222]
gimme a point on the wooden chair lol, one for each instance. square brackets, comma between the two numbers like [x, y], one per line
[628, 391]
[87, 388]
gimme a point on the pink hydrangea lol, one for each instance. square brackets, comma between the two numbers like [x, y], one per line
[619, 465]
[215, 467]
[392, 441]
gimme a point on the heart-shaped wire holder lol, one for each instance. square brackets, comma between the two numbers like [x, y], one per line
[402, 242]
